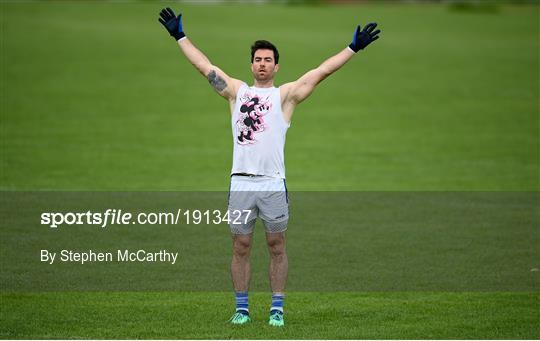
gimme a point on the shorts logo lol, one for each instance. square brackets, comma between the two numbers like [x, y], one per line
[281, 216]
[250, 118]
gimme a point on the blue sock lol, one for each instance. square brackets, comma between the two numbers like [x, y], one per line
[242, 302]
[277, 302]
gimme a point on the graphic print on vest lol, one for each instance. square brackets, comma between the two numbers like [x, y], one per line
[250, 118]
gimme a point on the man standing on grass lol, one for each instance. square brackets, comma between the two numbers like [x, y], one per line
[261, 115]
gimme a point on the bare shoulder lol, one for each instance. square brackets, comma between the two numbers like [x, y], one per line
[287, 105]
[285, 91]
[236, 84]
[285, 88]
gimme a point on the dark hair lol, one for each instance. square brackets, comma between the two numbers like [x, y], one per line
[264, 45]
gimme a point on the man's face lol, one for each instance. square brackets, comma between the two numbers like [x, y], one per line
[264, 66]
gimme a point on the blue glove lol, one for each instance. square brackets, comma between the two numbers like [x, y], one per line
[365, 37]
[172, 23]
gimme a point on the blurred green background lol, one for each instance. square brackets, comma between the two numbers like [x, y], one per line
[97, 96]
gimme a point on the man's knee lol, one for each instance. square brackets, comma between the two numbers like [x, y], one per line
[241, 245]
[276, 244]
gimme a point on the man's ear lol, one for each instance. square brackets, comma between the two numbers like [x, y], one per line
[276, 69]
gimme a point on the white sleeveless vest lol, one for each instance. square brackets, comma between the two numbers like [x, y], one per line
[259, 131]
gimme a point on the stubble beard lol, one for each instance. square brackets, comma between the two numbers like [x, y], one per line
[262, 78]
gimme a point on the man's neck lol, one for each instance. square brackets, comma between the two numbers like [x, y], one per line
[267, 84]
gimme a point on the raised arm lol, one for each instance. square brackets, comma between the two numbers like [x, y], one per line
[295, 92]
[224, 85]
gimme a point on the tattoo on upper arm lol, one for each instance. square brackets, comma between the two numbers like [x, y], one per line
[217, 82]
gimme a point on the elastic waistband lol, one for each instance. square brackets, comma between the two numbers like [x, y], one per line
[247, 174]
[245, 177]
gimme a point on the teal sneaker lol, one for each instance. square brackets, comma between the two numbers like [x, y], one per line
[239, 318]
[276, 319]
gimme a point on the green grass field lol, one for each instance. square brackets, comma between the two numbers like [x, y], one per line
[97, 97]
[311, 316]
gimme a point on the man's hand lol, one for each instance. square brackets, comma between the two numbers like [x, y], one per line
[365, 37]
[172, 23]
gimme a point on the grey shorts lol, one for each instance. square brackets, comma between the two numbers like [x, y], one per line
[258, 196]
